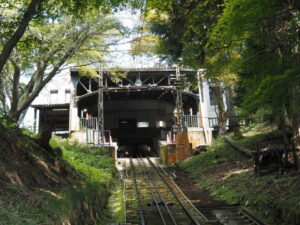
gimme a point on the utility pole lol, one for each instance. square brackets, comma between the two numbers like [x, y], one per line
[100, 109]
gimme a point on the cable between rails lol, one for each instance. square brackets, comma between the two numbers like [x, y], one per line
[186, 198]
[160, 196]
[138, 194]
[194, 221]
[151, 191]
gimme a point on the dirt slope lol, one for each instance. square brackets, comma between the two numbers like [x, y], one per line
[39, 187]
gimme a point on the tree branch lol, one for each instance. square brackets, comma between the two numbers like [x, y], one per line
[13, 40]
[28, 97]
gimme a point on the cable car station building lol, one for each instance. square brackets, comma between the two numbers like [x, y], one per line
[139, 109]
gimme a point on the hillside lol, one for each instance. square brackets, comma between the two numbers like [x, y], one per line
[39, 186]
[230, 176]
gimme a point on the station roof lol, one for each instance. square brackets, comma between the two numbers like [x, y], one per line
[51, 106]
[152, 81]
[140, 69]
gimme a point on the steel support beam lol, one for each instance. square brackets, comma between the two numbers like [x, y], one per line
[100, 109]
[179, 106]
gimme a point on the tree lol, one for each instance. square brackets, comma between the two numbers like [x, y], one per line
[11, 41]
[16, 16]
[44, 50]
[256, 40]
[184, 29]
[265, 34]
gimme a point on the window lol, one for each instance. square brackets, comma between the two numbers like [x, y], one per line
[127, 123]
[53, 96]
[142, 124]
[212, 97]
[67, 95]
[161, 123]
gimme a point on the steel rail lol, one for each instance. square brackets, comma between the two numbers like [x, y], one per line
[253, 218]
[152, 194]
[137, 194]
[186, 198]
[160, 196]
[194, 221]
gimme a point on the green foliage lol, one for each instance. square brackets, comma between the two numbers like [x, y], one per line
[269, 196]
[219, 153]
[242, 19]
[251, 43]
[6, 122]
[45, 48]
[117, 203]
[267, 65]
[272, 89]
[51, 208]
[117, 74]
[147, 44]
[29, 215]
[81, 198]
[94, 163]
[87, 71]
[183, 28]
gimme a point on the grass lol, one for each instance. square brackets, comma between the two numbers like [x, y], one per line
[94, 163]
[219, 153]
[81, 197]
[117, 203]
[230, 177]
[98, 170]
[54, 208]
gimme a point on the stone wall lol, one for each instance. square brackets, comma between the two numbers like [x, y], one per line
[196, 137]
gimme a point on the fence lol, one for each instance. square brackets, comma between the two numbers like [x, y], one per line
[93, 138]
[192, 121]
[89, 123]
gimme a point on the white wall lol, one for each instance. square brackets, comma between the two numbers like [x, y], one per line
[60, 82]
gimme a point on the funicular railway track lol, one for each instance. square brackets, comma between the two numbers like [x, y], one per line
[156, 199]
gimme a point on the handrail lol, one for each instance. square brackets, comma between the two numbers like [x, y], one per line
[90, 123]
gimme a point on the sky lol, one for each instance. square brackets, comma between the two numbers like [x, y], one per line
[120, 54]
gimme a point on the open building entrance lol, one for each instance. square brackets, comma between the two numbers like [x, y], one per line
[138, 109]
[135, 151]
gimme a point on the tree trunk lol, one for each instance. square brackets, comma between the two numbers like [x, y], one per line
[14, 39]
[295, 108]
[222, 113]
[15, 86]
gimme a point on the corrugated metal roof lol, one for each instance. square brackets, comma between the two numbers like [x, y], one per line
[141, 69]
[51, 106]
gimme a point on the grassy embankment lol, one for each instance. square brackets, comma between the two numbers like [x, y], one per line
[39, 187]
[98, 170]
[230, 177]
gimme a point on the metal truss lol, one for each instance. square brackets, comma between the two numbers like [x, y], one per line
[100, 109]
[179, 105]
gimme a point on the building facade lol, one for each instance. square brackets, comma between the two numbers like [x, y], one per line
[139, 107]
